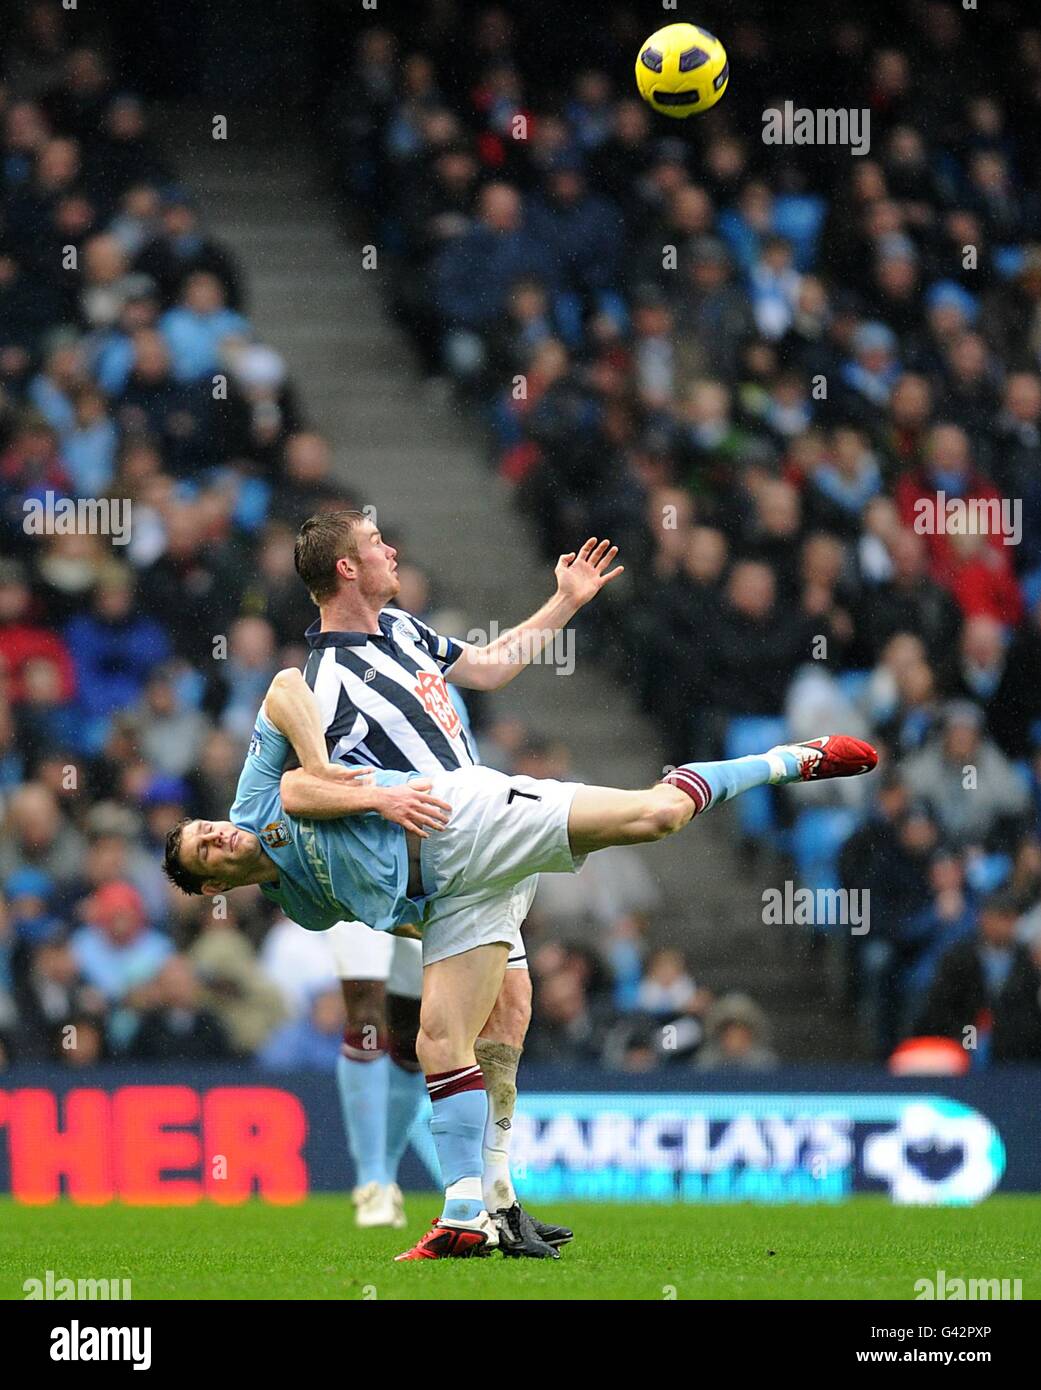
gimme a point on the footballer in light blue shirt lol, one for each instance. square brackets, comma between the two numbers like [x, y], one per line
[318, 871]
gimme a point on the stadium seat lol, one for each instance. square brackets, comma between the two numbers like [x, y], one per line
[853, 683]
[747, 734]
[816, 838]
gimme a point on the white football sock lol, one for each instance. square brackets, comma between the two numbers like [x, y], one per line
[499, 1063]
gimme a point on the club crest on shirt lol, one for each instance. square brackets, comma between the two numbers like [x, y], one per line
[255, 744]
[275, 835]
[433, 695]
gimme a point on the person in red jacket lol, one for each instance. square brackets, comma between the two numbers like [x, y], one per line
[948, 471]
[982, 580]
[22, 642]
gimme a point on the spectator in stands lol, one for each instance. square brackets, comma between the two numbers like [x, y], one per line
[22, 641]
[115, 852]
[306, 484]
[737, 1037]
[244, 677]
[196, 583]
[30, 914]
[567, 1024]
[757, 644]
[115, 950]
[37, 835]
[666, 987]
[54, 994]
[473, 273]
[175, 412]
[962, 759]
[910, 602]
[172, 733]
[197, 327]
[181, 248]
[986, 991]
[178, 1027]
[249, 1006]
[276, 593]
[948, 920]
[30, 467]
[81, 1042]
[311, 1041]
[1016, 703]
[114, 648]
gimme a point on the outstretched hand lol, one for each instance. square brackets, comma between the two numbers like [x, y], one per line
[581, 576]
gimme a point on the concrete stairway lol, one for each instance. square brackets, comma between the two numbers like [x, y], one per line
[417, 458]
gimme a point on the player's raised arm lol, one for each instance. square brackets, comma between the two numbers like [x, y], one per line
[580, 577]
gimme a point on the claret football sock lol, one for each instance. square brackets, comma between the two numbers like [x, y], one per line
[460, 1111]
[813, 760]
[363, 1102]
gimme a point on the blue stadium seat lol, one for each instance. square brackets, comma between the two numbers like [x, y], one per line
[817, 836]
[988, 872]
[755, 733]
[853, 683]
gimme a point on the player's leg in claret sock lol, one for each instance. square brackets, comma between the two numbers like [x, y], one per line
[458, 995]
[604, 816]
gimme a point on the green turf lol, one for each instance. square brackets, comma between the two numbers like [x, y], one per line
[863, 1249]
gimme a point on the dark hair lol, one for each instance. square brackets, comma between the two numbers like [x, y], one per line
[321, 542]
[174, 870]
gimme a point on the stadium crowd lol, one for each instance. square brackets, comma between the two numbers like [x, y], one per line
[767, 372]
[750, 365]
[132, 665]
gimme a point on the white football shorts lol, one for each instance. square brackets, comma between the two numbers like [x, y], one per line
[359, 953]
[482, 870]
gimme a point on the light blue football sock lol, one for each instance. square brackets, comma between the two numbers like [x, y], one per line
[458, 1130]
[423, 1145]
[406, 1096]
[710, 784]
[363, 1088]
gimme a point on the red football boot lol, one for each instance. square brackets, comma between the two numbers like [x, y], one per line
[445, 1242]
[834, 755]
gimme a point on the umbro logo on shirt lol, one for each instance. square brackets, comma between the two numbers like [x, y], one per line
[370, 674]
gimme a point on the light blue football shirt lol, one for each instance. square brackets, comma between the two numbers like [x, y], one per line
[351, 868]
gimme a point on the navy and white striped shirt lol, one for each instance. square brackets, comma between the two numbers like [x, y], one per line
[383, 699]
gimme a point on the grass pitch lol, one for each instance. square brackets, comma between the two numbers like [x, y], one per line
[863, 1249]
